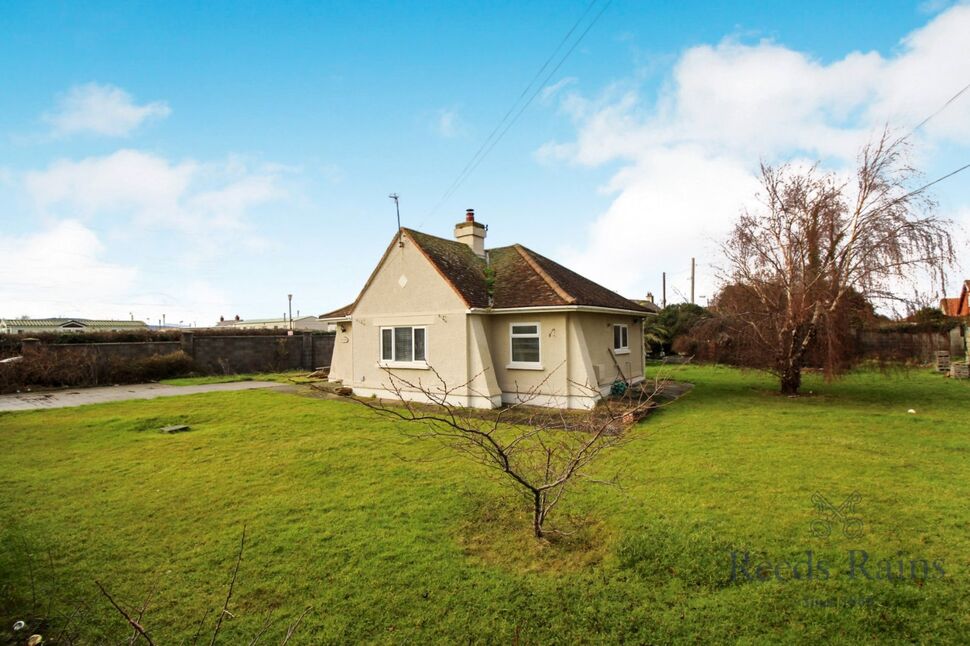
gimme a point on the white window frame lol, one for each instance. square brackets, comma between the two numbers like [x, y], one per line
[525, 365]
[391, 363]
[625, 329]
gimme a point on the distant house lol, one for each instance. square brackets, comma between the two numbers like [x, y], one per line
[37, 326]
[494, 324]
[303, 323]
[959, 306]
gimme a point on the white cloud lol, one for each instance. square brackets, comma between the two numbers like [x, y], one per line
[60, 271]
[103, 110]
[448, 123]
[690, 158]
[550, 91]
[130, 185]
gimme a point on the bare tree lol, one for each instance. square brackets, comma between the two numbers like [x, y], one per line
[795, 264]
[541, 452]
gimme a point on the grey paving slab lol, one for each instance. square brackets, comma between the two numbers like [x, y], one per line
[82, 396]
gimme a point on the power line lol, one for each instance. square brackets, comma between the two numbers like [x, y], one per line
[944, 107]
[498, 132]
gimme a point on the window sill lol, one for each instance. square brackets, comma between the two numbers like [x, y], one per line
[524, 366]
[410, 365]
[622, 351]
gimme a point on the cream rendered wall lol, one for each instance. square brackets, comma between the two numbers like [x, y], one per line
[408, 290]
[342, 362]
[598, 332]
[553, 353]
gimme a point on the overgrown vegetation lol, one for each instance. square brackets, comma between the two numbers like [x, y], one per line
[346, 514]
[673, 322]
[794, 263]
[44, 368]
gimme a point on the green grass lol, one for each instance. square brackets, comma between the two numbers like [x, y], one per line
[347, 516]
[298, 376]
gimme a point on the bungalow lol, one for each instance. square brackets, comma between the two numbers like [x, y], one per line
[494, 324]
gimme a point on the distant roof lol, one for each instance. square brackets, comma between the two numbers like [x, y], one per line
[522, 278]
[649, 305]
[950, 306]
[55, 322]
[959, 306]
[231, 322]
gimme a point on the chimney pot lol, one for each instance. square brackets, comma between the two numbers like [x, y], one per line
[469, 215]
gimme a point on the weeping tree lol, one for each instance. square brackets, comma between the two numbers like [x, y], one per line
[797, 263]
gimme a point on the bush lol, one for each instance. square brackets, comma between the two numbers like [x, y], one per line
[46, 368]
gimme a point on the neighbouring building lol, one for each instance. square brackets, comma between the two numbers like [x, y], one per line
[495, 325]
[37, 326]
[959, 307]
[302, 323]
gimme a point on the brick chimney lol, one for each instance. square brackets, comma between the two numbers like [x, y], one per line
[471, 233]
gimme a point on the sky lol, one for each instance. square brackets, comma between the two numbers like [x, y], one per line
[197, 160]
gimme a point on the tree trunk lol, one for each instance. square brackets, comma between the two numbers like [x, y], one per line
[537, 514]
[791, 380]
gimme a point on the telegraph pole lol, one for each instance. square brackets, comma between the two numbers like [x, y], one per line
[663, 294]
[290, 298]
[692, 280]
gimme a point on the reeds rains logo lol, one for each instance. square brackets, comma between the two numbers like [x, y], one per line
[834, 522]
[845, 516]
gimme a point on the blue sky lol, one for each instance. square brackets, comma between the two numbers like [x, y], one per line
[203, 159]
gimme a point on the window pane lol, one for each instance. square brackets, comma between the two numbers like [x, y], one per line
[616, 337]
[525, 349]
[386, 345]
[626, 339]
[402, 344]
[524, 329]
[419, 344]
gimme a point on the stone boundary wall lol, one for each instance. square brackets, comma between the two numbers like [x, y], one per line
[218, 354]
[105, 352]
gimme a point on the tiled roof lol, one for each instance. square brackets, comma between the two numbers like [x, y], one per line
[340, 312]
[950, 306]
[522, 278]
[960, 305]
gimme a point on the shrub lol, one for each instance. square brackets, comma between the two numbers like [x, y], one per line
[45, 368]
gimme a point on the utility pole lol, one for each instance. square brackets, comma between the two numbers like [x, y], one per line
[290, 298]
[663, 294]
[692, 280]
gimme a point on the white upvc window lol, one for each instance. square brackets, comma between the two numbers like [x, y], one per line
[621, 339]
[525, 346]
[404, 347]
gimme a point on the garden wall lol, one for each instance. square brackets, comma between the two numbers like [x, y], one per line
[910, 346]
[100, 363]
[230, 354]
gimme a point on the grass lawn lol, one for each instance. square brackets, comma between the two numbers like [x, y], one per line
[296, 376]
[346, 515]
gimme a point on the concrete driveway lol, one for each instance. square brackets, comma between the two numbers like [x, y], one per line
[82, 396]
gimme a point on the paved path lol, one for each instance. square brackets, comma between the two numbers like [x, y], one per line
[81, 396]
